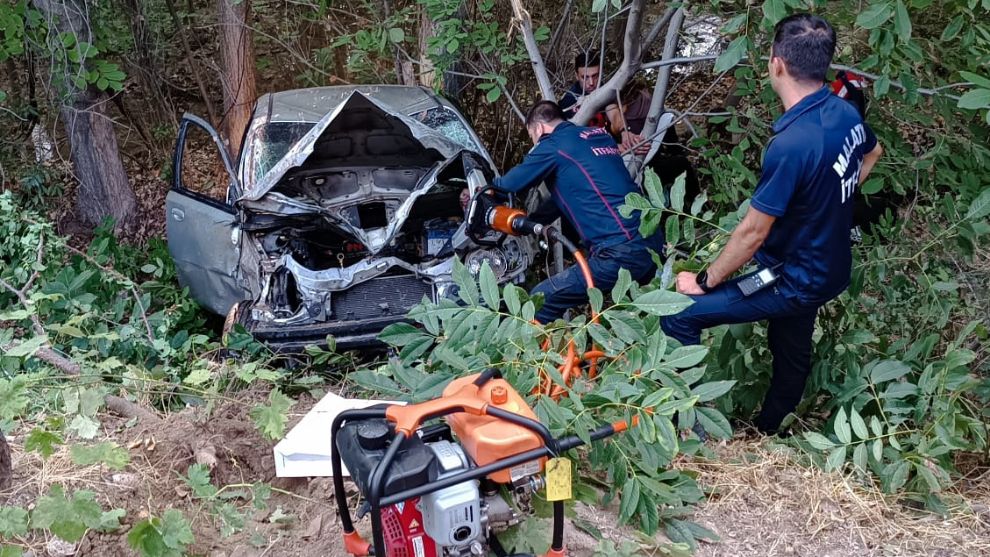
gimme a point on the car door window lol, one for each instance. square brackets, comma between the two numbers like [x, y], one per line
[203, 172]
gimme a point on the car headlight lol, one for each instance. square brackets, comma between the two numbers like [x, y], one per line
[494, 256]
[447, 290]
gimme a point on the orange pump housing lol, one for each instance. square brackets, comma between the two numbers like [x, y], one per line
[488, 439]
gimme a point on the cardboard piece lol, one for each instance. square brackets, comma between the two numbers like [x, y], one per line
[305, 451]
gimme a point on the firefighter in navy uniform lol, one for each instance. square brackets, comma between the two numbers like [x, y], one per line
[588, 181]
[797, 225]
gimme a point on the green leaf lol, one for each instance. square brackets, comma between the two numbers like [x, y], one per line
[110, 520]
[630, 499]
[818, 441]
[11, 551]
[107, 452]
[493, 94]
[396, 35]
[67, 518]
[27, 348]
[42, 441]
[13, 522]
[489, 286]
[902, 22]
[400, 334]
[198, 376]
[271, 418]
[733, 54]
[980, 207]
[888, 370]
[598, 5]
[874, 16]
[511, 295]
[161, 537]
[621, 285]
[872, 186]
[662, 302]
[686, 356]
[198, 479]
[860, 458]
[928, 476]
[774, 11]
[858, 424]
[712, 390]
[841, 427]
[84, 426]
[654, 189]
[975, 99]
[976, 78]
[878, 450]
[656, 397]
[952, 30]
[896, 474]
[596, 299]
[677, 194]
[714, 422]
[836, 458]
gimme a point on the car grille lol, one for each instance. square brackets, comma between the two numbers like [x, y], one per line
[379, 297]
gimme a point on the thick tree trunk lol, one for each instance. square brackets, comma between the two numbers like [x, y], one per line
[104, 190]
[237, 49]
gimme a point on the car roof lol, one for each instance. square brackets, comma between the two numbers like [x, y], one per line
[311, 104]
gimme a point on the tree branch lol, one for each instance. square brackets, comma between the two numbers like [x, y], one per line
[658, 25]
[931, 92]
[635, 164]
[632, 56]
[533, 49]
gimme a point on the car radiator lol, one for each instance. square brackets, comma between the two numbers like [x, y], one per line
[379, 297]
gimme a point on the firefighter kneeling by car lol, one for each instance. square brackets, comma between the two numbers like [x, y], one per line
[588, 182]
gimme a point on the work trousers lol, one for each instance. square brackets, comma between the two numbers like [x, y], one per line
[569, 289]
[789, 332]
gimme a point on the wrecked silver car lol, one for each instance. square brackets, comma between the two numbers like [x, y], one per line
[343, 210]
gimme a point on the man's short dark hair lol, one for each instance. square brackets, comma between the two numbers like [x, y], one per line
[545, 112]
[586, 60]
[806, 44]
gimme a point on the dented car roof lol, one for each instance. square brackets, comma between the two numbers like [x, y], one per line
[311, 105]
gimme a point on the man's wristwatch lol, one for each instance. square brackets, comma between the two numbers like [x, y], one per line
[702, 281]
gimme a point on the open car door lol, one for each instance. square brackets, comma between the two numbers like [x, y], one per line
[203, 236]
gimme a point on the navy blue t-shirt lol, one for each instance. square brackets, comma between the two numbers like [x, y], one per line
[811, 170]
[587, 179]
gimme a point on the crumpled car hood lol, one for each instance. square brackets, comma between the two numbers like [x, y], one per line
[262, 199]
[426, 136]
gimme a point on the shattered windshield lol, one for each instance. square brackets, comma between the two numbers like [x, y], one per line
[271, 142]
[446, 121]
[268, 143]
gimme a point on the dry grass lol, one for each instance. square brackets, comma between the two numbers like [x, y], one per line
[764, 502]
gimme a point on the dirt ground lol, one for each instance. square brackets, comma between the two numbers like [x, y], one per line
[761, 501]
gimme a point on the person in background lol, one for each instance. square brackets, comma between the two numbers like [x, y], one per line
[797, 225]
[627, 118]
[588, 73]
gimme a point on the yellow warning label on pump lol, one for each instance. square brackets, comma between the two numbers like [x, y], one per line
[558, 479]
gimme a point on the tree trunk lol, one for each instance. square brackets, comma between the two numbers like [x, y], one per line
[104, 190]
[6, 472]
[237, 50]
